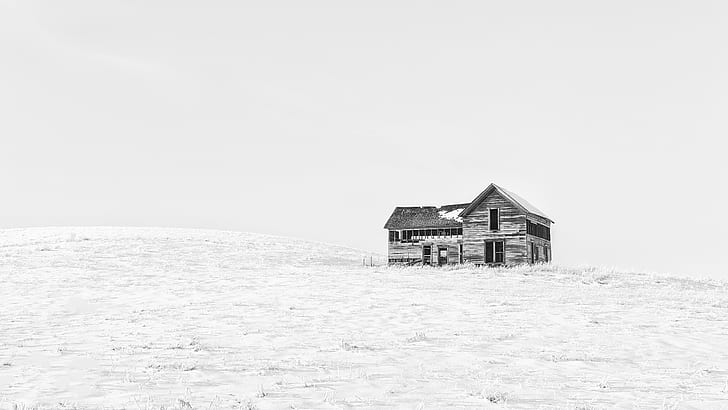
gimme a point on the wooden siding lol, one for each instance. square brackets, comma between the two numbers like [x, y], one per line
[512, 230]
[538, 242]
[398, 250]
[538, 219]
[476, 231]
[515, 250]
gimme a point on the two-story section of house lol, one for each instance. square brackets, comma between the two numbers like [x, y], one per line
[497, 228]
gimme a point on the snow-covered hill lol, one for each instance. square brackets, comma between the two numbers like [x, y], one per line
[145, 318]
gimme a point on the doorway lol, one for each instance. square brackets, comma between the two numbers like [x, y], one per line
[426, 254]
[441, 255]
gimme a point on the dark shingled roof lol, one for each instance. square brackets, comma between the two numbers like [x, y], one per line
[415, 217]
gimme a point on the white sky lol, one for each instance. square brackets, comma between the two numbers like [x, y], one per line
[314, 119]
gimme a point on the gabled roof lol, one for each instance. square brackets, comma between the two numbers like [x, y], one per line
[519, 202]
[414, 217]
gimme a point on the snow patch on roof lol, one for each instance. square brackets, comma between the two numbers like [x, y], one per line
[451, 215]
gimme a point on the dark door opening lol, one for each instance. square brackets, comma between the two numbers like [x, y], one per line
[441, 256]
[426, 255]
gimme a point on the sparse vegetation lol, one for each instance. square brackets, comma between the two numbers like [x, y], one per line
[418, 337]
[198, 323]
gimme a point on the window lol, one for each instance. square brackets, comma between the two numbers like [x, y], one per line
[416, 235]
[494, 252]
[535, 254]
[494, 219]
[538, 230]
[408, 235]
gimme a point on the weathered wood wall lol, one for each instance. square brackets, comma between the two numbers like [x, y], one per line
[543, 243]
[538, 219]
[398, 250]
[476, 231]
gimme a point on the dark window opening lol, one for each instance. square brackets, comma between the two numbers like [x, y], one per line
[499, 252]
[494, 252]
[416, 235]
[494, 219]
[538, 230]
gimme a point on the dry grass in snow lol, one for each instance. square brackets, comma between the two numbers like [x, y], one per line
[153, 318]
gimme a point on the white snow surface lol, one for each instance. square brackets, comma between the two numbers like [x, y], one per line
[152, 318]
[452, 215]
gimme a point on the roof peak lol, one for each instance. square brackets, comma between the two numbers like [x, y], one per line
[511, 196]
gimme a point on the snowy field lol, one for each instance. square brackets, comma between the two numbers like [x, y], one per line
[157, 318]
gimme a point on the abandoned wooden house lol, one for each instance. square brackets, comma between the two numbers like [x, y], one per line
[497, 228]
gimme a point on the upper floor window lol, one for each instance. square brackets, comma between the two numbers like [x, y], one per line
[494, 219]
[538, 230]
[416, 235]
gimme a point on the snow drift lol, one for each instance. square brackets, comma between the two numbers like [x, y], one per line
[145, 318]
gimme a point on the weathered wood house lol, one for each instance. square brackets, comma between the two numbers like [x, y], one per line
[497, 228]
